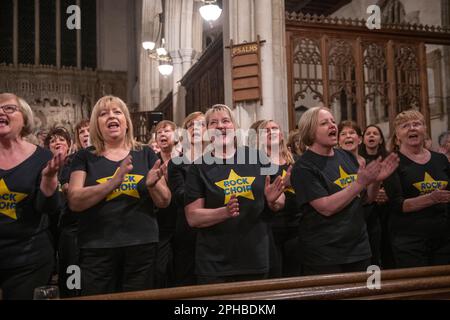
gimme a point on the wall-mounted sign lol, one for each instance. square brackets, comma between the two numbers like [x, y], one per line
[246, 71]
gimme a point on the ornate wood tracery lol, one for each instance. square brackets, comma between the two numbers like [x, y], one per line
[364, 75]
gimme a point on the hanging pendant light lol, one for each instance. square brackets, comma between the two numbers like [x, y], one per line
[165, 68]
[210, 11]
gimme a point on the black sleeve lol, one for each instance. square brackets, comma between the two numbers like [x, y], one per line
[176, 182]
[196, 188]
[79, 162]
[307, 184]
[290, 204]
[65, 172]
[152, 157]
[48, 205]
[393, 188]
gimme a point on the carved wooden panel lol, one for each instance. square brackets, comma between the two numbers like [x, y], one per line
[376, 86]
[204, 82]
[307, 71]
[364, 75]
[64, 96]
[407, 76]
[342, 79]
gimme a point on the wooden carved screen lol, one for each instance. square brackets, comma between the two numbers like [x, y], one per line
[362, 75]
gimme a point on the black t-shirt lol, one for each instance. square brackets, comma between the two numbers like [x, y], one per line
[69, 219]
[125, 217]
[167, 217]
[23, 213]
[338, 239]
[411, 180]
[237, 245]
[177, 173]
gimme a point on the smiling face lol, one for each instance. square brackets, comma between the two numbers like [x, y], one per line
[222, 129]
[11, 118]
[349, 139]
[112, 122]
[326, 131]
[83, 136]
[372, 138]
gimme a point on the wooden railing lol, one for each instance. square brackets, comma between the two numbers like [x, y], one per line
[417, 283]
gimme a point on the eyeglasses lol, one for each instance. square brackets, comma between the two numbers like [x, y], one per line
[9, 108]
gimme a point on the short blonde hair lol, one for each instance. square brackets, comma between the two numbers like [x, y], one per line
[218, 108]
[163, 124]
[307, 127]
[95, 135]
[188, 120]
[25, 109]
[408, 115]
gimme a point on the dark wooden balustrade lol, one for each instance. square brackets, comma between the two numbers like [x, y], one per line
[417, 283]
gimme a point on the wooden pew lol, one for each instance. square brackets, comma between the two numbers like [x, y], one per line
[417, 283]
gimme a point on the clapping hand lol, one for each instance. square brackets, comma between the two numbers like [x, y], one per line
[388, 166]
[155, 174]
[52, 168]
[125, 167]
[273, 191]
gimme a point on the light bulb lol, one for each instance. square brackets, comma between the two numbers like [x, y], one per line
[210, 12]
[165, 69]
[148, 45]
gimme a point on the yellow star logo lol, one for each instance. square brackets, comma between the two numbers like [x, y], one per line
[289, 189]
[128, 186]
[9, 200]
[237, 185]
[345, 179]
[428, 184]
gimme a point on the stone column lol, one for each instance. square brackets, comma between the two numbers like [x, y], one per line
[178, 113]
[186, 50]
[238, 25]
[173, 35]
[37, 33]
[16, 32]
[58, 33]
[197, 31]
[445, 8]
[244, 20]
[186, 55]
[149, 86]
[270, 25]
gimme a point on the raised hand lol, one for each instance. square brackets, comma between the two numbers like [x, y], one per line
[273, 191]
[233, 206]
[125, 167]
[155, 174]
[52, 168]
[368, 174]
[388, 166]
[287, 178]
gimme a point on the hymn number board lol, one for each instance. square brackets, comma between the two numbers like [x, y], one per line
[246, 71]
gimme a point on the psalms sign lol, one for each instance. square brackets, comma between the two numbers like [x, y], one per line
[246, 71]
